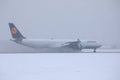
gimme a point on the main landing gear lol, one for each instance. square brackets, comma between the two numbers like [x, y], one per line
[94, 51]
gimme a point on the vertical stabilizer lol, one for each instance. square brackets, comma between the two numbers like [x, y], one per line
[15, 32]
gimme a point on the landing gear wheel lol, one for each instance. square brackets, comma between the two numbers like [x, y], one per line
[94, 51]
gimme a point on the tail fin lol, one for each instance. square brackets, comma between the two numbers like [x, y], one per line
[16, 33]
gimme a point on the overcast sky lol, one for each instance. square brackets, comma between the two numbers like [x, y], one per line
[62, 19]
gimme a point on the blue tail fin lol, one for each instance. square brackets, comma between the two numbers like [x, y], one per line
[16, 33]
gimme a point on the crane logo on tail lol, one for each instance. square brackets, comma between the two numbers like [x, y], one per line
[14, 30]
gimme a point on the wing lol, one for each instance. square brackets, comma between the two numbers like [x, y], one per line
[73, 45]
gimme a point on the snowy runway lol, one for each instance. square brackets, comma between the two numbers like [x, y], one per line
[72, 66]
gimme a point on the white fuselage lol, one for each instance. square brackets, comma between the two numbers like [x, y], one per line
[57, 44]
[42, 43]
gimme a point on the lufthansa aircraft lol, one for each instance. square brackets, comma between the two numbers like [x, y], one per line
[52, 45]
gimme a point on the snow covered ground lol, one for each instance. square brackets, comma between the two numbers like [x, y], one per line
[65, 66]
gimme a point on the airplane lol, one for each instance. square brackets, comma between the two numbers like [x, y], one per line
[52, 45]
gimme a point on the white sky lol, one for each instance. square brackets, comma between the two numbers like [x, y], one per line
[63, 19]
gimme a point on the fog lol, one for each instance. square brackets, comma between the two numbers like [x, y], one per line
[11, 47]
[64, 19]
[97, 20]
